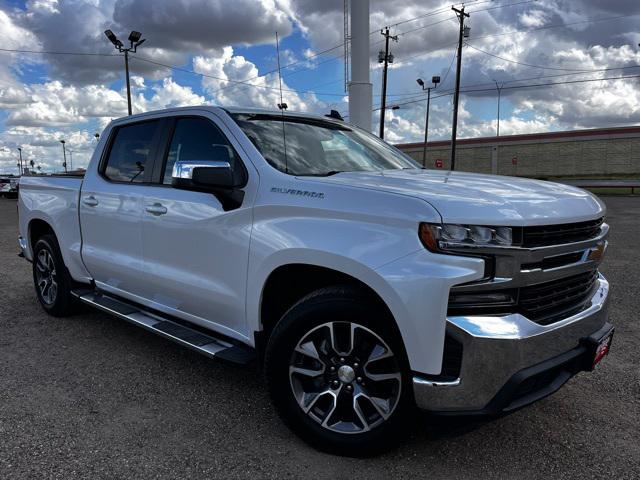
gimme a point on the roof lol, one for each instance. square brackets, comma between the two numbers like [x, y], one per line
[213, 108]
[587, 134]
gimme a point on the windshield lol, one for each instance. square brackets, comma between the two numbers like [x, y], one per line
[317, 147]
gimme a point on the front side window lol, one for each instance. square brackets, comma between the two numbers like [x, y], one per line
[130, 151]
[307, 146]
[197, 139]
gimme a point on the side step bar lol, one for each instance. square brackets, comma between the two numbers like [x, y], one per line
[205, 343]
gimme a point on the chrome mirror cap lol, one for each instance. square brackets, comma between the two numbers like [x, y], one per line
[184, 170]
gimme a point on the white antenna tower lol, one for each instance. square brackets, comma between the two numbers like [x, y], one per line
[346, 45]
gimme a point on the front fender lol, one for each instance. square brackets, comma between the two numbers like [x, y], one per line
[420, 283]
[415, 288]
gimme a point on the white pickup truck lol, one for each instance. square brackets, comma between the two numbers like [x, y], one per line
[362, 284]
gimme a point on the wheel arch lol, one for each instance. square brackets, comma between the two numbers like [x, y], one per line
[287, 283]
[37, 228]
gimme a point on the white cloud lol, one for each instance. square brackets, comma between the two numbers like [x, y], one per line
[262, 91]
[533, 18]
[40, 115]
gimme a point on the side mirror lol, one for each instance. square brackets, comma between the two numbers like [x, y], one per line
[214, 176]
[202, 175]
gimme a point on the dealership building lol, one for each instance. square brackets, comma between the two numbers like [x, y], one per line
[596, 153]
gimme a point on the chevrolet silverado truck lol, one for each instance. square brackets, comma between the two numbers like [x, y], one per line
[360, 283]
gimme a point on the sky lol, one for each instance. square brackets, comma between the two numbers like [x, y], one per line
[558, 64]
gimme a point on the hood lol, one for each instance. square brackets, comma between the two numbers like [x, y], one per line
[471, 198]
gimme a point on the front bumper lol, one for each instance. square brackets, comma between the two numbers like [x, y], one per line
[500, 353]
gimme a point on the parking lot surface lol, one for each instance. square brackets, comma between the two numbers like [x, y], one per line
[93, 397]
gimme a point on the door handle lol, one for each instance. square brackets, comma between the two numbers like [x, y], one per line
[90, 201]
[156, 209]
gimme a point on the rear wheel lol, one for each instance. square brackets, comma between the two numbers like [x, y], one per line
[51, 279]
[336, 372]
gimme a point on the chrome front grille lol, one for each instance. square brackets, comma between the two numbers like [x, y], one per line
[544, 283]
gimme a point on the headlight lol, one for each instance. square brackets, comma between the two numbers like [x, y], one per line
[438, 237]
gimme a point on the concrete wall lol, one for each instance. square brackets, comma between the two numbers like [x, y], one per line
[610, 153]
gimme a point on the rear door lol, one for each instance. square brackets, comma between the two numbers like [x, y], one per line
[111, 205]
[196, 252]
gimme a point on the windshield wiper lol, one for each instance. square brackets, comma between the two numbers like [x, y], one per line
[323, 174]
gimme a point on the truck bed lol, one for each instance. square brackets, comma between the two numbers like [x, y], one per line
[54, 199]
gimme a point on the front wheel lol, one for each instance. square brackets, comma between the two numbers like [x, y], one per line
[336, 371]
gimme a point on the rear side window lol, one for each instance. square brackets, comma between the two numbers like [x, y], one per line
[130, 152]
[197, 139]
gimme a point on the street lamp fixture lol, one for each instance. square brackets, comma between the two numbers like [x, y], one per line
[134, 37]
[64, 156]
[113, 39]
[435, 80]
[134, 42]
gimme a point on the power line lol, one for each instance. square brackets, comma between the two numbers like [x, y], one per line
[288, 65]
[532, 85]
[540, 66]
[503, 6]
[238, 82]
[516, 80]
[446, 10]
[558, 25]
[455, 53]
[49, 52]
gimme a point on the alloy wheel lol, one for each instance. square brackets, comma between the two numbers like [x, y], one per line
[46, 277]
[345, 377]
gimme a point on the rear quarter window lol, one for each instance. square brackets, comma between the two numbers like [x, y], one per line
[130, 152]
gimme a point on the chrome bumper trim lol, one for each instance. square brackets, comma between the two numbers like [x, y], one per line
[497, 347]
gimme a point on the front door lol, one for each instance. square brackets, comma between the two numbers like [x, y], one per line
[196, 253]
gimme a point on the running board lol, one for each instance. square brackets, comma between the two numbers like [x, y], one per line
[196, 340]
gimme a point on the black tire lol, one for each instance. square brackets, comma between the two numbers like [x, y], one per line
[46, 254]
[309, 317]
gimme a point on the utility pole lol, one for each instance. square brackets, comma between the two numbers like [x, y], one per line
[464, 32]
[21, 165]
[134, 39]
[385, 58]
[435, 80]
[64, 156]
[499, 88]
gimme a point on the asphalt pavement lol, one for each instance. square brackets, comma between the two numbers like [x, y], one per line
[93, 397]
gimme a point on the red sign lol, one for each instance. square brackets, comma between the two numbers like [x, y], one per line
[438, 163]
[514, 161]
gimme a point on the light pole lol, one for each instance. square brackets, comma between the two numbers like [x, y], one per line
[134, 39]
[97, 136]
[499, 88]
[71, 160]
[64, 156]
[21, 165]
[435, 80]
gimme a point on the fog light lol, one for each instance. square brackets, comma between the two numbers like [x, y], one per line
[490, 298]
